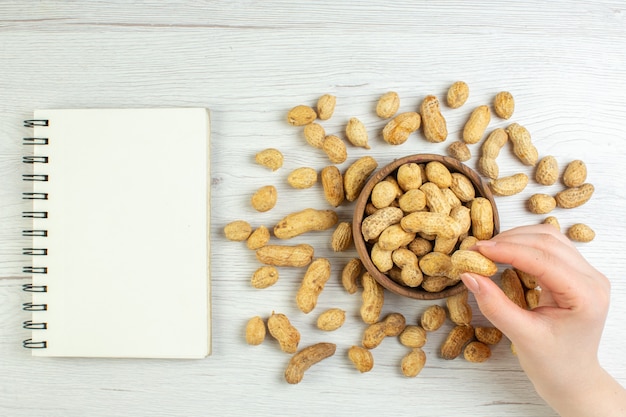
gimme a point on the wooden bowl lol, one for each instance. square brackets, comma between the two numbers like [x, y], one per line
[363, 248]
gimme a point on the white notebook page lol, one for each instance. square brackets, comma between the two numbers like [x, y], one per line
[128, 235]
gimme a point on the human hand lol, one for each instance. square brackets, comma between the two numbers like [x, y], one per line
[557, 342]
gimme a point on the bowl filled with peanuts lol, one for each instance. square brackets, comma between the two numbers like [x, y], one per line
[416, 220]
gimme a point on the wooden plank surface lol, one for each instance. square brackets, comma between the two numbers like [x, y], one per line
[249, 62]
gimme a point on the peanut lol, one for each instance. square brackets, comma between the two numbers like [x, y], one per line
[307, 357]
[468, 242]
[472, 261]
[439, 224]
[574, 196]
[270, 158]
[362, 358]
[456, 339]
[420, 246]
[580, 232]
[522, 145]
[551, 220]
[374, 224]
[373, 299]
[488, 335]
[258, 238]
[412, 200]
[476, 352]
[392, 325]
[410, 274]
[335, 149]
[255, 331]
[264, 277]
[332, 183]
[413, 336]
[512, 287]
[383, 194]
[435, 129]
[490, 149]
[458, 308]
[409, 176]
[387, 105]
[438, 173]
[481, 213]
[528, 280]
[238, 230]
[350, 275]
[326, 106]
[356, 176]
[575, 174]
[459, 150]
[433, 318]
[284, 332]
[381, 258]
[304, 221]
[264, 199]
[356, 133]
[476, 125]
[504, 104]
[547, 172]
[437, 283]
[413, 362]
[279, 255]
[462, 187]
[541, 203]
[342, 237]
[394, 237]
[314, 134]
[301, 115]
[437, 264]
[331, 319]
[398, 129]
[315, 278]
[532, 298]
[302, 178]
[457, 94]
[506, 186]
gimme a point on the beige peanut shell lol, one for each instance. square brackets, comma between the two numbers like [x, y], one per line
[332, 183]
[282, 255]
[356, 175]
[301, 178]
[255, 331]
[326, 106]
[373, 299]
[398, 129]
[270, 158]
[434, 124]
[387, 105]
[264, 199]
[238, 230]
[504, 104]
[362, 358]
[304, 221]
[476, 125]
[457, 95]
[575, 174]
[413, 362]
[301, 115]
[307, 357]
[284, 332]
[313, 282]
[331, 319]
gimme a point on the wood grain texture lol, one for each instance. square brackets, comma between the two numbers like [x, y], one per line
[249, 62]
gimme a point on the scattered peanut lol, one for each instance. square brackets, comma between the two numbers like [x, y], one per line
[255, 331]
[457, 94]
[373, 299]
[476, 124]
[284, 332]
[238, 230]
[413, 362]
[459, 150]
[326, 106]
[315, 278]
[504, 104]
[356, 133]
[331, 319]
[362, 358]
[460, 311]
[398, 129]
[547, 172]
[264, 199]
[490, 150]
[435, 128]
[433, 318]
[332, 183]
[541, 203]
[301, 115]
[314, 134]
[522, 145]
[580, 232]
[574, 196]
[413, 336]
[335, 149]
[388, 104]
[506, 186]
[476, 352]
[258, 238]
[270, 158]
[280, 255]
[456, 340]
[342, 237]
[264, 277]
[512, 287]
[302, 178]
[356, 176]
[307, 357]
[304, 221]
[488, 335]
[350, 275]
[575, 174]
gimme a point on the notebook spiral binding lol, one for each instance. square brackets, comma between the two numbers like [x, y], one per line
[38, 180]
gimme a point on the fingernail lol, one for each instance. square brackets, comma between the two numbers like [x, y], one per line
[471, 283]
[485, 243]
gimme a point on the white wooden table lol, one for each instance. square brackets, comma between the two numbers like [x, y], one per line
[249, 62]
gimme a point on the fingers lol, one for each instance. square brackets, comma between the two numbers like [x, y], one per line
[503, 313]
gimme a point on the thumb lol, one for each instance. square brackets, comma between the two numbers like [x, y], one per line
[503, 313]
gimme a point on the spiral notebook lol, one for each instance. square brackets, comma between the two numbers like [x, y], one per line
[120, 233]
